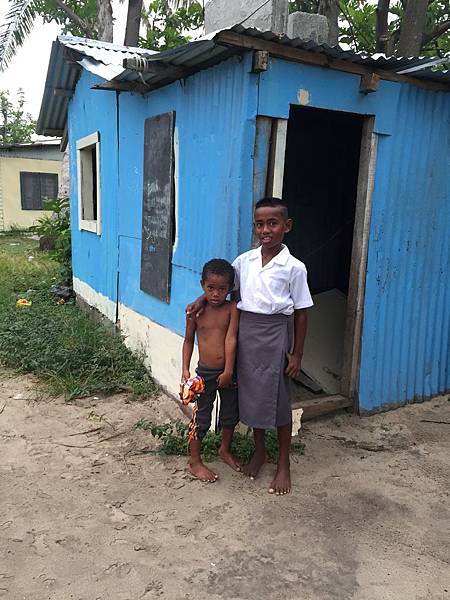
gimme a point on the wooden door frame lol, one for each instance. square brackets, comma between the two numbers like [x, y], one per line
[358, 265]
[268, 172]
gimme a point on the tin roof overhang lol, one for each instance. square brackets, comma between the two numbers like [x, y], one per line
[69, 56]
[123, 69]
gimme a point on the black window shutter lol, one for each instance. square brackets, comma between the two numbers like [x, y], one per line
[158, 206]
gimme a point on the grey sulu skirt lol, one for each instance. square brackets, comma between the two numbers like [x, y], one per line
[263, 388]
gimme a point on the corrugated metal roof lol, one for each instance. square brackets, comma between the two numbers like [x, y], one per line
[208, 50]
[70, 54]
[41, 144]
[39, 150]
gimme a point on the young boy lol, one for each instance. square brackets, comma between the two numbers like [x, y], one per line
[274, 295]
[216, 330]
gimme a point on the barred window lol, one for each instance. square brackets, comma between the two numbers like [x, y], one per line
[36, 189]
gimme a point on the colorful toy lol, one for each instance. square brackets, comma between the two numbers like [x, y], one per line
[22, 302]
[191, 388]
[189, 392]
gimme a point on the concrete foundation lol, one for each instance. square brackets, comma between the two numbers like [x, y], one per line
[308, 27]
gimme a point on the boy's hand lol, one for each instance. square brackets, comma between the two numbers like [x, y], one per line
[225, 379]
[294, 365]
[185, 376]
[195, 308]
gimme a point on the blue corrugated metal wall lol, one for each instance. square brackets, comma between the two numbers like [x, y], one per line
[215, 120]
[405, 338]
[95, 257]
[405, 343]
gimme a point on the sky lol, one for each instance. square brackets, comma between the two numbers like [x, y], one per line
[28, 69]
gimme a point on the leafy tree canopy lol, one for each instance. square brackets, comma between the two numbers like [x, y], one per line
[16, 126]
[359, 23]
[166, 29]
[167, 23]
[85, 10]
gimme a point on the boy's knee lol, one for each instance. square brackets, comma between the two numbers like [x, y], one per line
[201, 432]
[229, 419]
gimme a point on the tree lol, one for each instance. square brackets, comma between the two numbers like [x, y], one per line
[401, 27]
[16, 126]
[94, 19]
[164, 29]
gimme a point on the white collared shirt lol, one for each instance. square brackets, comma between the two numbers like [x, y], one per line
[279, 287]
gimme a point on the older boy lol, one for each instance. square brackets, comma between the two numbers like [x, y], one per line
[274, 296]
[216, 330]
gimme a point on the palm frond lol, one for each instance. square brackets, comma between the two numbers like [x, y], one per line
[18, 23]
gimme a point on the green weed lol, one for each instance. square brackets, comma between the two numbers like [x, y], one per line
[71, 354]
[57, 228]
[173, 437]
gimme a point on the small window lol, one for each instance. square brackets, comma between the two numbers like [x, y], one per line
[88, 159]
[36, 189]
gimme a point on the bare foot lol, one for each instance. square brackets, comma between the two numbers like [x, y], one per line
[231, 460]
[201, 472]
[256, 462]
[281, 484]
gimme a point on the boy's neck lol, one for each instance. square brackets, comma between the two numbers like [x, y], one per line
[215, 306]
[269, 253]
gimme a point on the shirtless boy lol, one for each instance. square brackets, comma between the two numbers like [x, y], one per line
[274, 296]
[216, 330]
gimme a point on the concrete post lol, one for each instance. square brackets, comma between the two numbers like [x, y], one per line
[272, 16]
[280, 14]
[307, 27]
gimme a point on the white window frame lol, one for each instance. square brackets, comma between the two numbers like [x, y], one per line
[94, 226]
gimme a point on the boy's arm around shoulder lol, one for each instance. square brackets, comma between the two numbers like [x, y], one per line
[188, 345]
[226, 377]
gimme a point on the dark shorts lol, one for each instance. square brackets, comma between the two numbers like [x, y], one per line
[228, 414]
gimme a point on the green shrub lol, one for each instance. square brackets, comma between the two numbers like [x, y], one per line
[173, 438]
[57, 227]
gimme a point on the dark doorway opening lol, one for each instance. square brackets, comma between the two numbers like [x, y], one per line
[320, 186]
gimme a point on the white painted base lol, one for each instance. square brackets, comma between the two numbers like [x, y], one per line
[103, 304]
[160, 347]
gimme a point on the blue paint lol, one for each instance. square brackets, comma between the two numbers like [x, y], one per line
[404, 350]
[333, 90]
[95, 257]
[215, 121]
[405, 354]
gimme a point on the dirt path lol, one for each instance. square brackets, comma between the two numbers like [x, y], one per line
[85, 517]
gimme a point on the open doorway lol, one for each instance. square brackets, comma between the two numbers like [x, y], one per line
[320, 185]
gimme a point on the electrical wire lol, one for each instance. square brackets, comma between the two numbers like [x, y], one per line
[254, 12]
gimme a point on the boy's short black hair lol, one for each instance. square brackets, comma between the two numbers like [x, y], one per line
[218, 266]
[274, 203]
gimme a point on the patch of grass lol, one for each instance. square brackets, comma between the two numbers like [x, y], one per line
[71, 354]
[173, 437]
[16, 229]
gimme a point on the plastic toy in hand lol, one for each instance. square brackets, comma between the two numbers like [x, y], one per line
[191, 388]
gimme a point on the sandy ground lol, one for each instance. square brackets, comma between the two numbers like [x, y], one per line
[85, 517]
